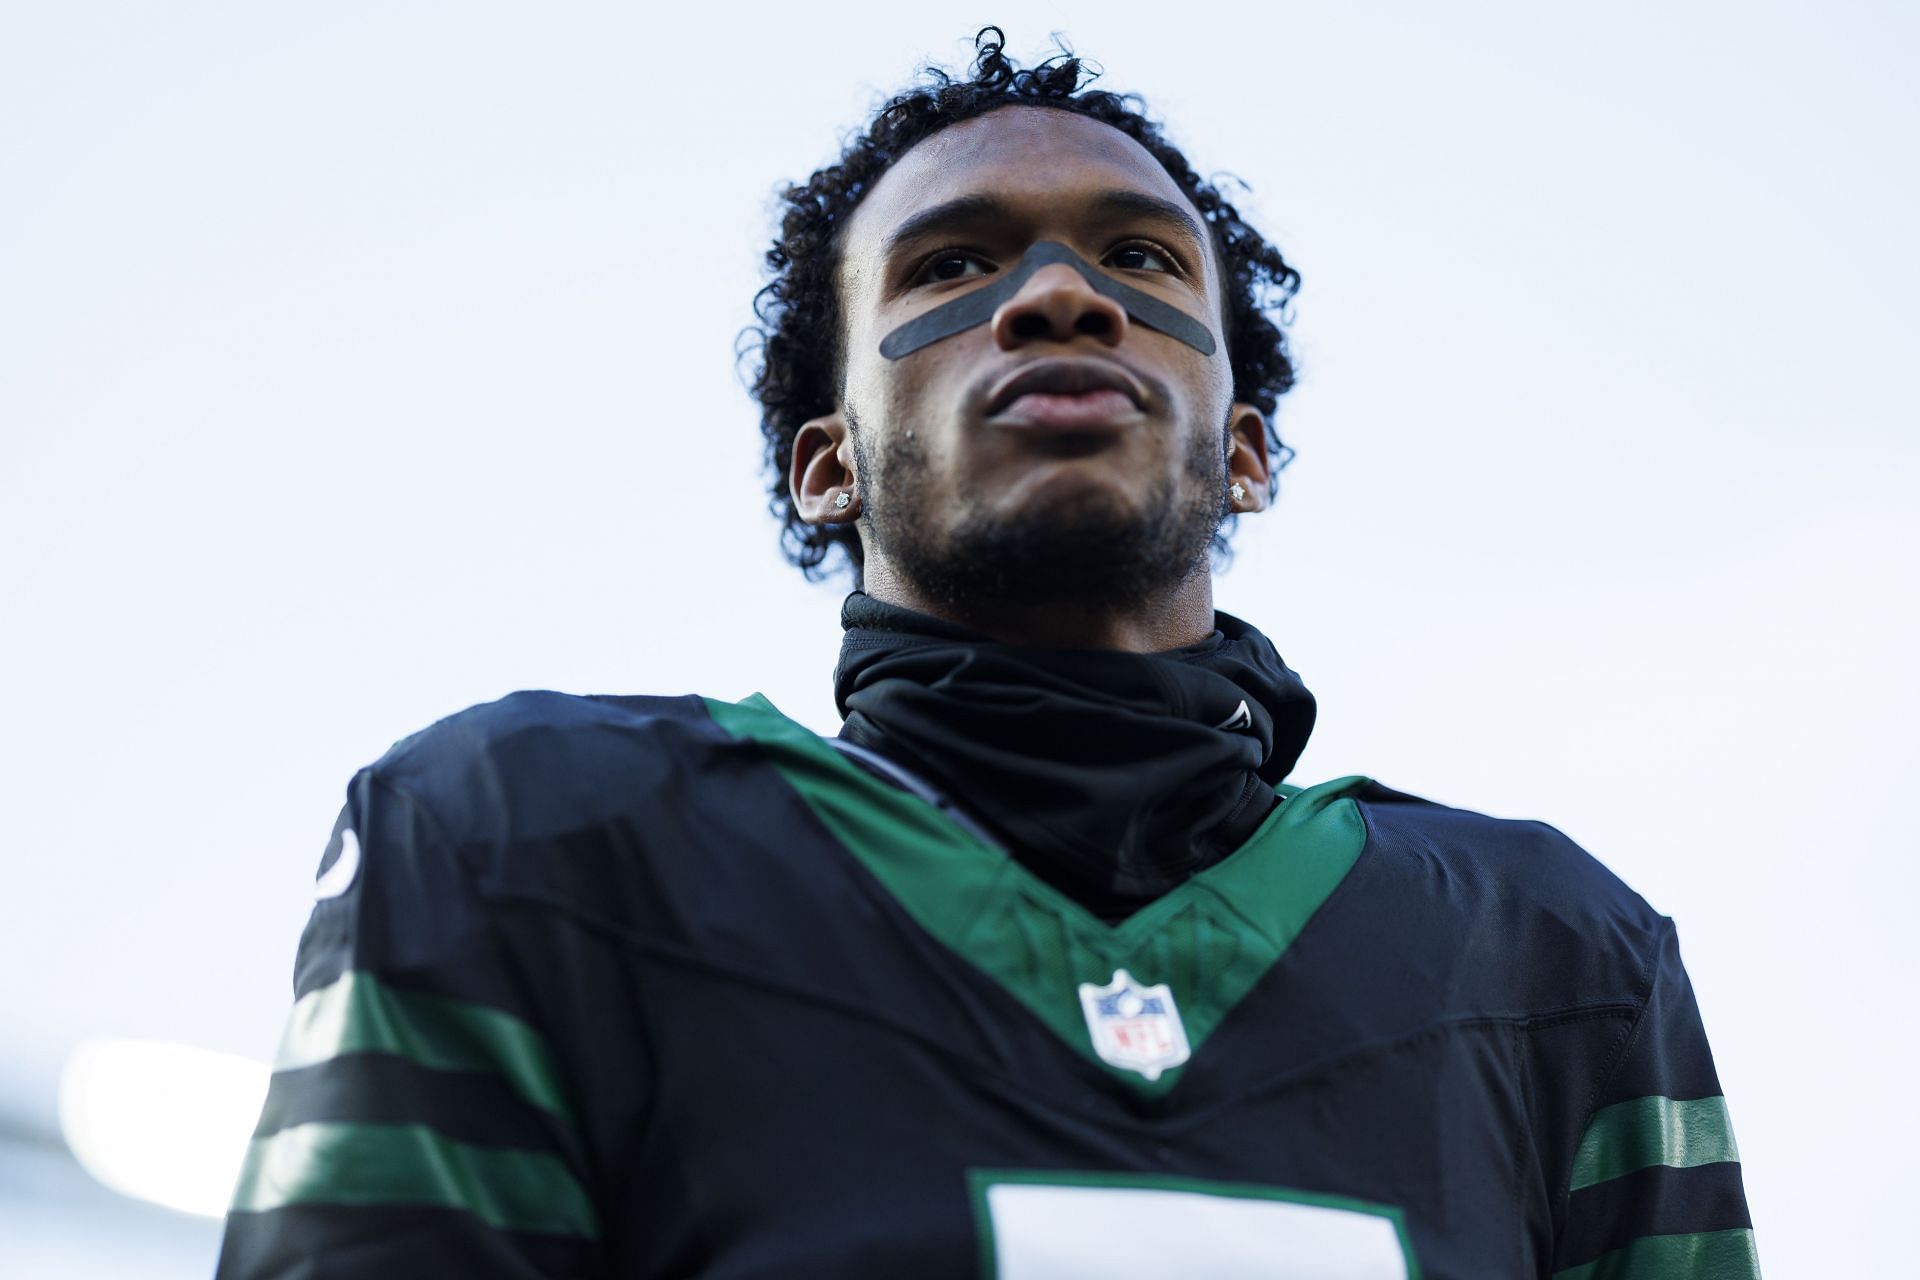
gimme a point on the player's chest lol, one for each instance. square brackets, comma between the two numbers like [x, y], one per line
[892, 1053]
[931, 1126]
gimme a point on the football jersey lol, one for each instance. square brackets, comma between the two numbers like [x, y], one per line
[634, 987]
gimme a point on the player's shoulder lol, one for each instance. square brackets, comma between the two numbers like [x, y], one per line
[1518, 891]
[541, 759]
[1519, 858]
[543, 720]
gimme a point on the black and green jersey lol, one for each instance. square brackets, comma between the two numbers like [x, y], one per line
[623, 987]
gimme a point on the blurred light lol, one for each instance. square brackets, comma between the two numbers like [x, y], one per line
[162, 1122]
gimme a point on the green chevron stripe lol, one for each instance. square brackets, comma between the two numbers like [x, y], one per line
[410, 1164]
[1644, 1132]
[1211, 939]
[1706, 1255]
[358, 1013]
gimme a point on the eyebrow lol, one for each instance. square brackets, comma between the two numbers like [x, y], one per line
[943, 217]
[1121, 203]
[967, 210]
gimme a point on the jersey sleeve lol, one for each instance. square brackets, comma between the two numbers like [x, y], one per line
[417, 1122]
[1654, 1190]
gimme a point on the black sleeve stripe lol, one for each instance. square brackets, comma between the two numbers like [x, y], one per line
[477, 1108]
[1638, 1133]
[407, 1242]
[361, 1013]
[1656, 1201]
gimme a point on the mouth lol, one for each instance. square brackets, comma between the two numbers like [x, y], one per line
[1064, 394]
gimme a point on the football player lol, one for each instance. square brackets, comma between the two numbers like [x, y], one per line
[1042, 967]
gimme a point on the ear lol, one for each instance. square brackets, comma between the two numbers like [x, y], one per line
[1247, 460]
[822, 470]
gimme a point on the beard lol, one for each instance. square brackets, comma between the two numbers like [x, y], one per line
[1089, 555]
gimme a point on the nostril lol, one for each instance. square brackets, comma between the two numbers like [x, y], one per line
[1095, 323]
[1030, 325]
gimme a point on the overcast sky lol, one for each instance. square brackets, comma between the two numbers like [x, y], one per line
[362, 362]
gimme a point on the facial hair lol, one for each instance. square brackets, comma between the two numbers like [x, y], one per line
[1092, 556]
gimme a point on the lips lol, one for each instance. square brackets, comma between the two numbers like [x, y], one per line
[1060, 381]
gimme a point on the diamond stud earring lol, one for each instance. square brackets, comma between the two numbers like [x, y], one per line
[841, 499]
[1238, 491]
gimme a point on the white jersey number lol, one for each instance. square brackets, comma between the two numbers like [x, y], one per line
[1123, 1227]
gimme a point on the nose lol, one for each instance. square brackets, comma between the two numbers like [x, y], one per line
[1056, 304]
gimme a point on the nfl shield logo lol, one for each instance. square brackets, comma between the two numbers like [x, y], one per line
[1134, 1027]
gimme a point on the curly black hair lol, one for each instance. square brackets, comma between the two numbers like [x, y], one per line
[799, 335]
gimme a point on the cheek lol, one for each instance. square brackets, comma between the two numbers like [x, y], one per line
[922, 391]
[871, 393]
[895, 406]
[1205, 385]
[1218, 380]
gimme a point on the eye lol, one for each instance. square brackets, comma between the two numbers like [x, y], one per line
[1141, 255]
[950, 265]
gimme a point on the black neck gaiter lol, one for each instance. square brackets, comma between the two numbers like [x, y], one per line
[1113, 776]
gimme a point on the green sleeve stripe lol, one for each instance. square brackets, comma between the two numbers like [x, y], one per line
[358, 1013]
[1644, 1132]
[410, 1164]
[1707, 1255]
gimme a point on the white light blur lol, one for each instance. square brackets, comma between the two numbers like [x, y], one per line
[162, 1122]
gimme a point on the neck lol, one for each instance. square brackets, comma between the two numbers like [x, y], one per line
[1179, 617]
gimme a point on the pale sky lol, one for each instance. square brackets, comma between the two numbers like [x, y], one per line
[362, 362]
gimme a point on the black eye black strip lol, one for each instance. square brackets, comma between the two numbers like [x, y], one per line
[978, 306]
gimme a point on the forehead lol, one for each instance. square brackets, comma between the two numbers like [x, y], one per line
[1036, 159]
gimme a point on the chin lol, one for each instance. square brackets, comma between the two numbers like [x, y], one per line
[1062, 543]
[1074, 489]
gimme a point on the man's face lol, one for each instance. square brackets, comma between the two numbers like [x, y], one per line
[1105, 495]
